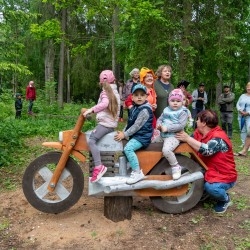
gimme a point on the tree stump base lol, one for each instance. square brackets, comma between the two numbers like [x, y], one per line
[118, 208]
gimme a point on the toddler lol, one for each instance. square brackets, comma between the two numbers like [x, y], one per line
[172, 120]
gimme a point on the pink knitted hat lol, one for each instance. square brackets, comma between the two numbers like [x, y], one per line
[176, 94]
[107, 76]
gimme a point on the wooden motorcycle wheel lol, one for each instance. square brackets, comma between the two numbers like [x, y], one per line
[179, 204]
[37, 176]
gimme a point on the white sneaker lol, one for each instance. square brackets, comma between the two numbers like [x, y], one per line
[176, 172]
[135, 177]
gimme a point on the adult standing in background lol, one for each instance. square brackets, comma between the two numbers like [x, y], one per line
[226, 102]
[135, 78]
[243, 108]
[199, 100]
[163, 87]
[30, 96]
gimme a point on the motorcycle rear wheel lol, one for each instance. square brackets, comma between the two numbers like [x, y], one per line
[67, 192]
[180, 204]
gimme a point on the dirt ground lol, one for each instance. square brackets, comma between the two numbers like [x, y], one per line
[85, 227]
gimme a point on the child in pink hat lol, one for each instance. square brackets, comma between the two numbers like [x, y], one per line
[172, 120]
[107, 110]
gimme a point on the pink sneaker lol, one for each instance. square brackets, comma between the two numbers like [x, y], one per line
[98, 172]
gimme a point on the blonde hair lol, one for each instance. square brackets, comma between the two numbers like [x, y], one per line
[160, 69]
[113, 104]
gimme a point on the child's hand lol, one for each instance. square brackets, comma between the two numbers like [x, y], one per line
[130, 107]
[154, 106]
[88, 111]
[120, 135]
[162, 128]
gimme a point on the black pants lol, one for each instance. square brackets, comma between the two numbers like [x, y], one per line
[121, 112]
[18, 114]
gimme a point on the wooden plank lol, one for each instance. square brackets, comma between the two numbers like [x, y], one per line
[178, 191]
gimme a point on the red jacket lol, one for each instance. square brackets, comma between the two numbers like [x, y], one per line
[30, 93]
[221, 165]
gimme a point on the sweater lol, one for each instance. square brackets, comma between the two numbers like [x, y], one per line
[30, 93]
[243, 104]
[162, 96]
[174, 120]
[195, 96]
[104, 117]
[226, 102]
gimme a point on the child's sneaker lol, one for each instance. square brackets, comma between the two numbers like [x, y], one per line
[221, 206]
[176, 172]
[98, 172]
[135, 177]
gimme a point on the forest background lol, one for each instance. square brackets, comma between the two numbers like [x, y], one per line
[64, 45]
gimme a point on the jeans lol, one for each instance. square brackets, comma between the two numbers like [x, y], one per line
[30, 105]
[218, 190]
[245, 130]
[129, 151]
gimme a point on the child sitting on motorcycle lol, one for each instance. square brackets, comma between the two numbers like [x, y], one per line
[139, 129]
[107, 110]
[173, 119]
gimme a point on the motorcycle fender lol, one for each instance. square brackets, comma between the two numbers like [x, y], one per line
[79, 156]
[59, 146]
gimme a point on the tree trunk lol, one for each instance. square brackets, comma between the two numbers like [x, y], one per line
[118, 208]
[115, 26]
[61, 64]
[49, 71]
[49, 61]
[68, 76]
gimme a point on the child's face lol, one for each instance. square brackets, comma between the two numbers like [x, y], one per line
[175, 104]
[139, 97]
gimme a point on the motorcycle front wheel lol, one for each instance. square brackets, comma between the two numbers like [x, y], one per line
[37, 177]
[179, 204]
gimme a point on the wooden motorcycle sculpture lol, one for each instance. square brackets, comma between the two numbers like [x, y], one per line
[54, 181]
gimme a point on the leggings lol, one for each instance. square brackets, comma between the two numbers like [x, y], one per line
[95, 136]
[129, 151]
[169, 145]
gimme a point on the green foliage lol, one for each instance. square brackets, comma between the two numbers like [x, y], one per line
[14, 133]
[17, 68]
[50, 29]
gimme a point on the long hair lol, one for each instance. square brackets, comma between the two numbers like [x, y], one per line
[113, 104]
